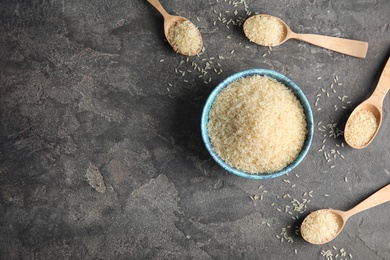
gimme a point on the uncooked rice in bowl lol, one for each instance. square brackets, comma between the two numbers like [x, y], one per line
[257, 125]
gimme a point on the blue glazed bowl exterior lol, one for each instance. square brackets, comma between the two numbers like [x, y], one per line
[297, 92]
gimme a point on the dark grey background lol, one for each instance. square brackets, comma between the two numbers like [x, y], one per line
[101, 155]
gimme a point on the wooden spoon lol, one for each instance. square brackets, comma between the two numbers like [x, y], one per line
[169, 21]
[346, 46]
[379, 197]
[373, 104]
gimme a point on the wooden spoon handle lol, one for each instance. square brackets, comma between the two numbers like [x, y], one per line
[383, 85]
[379, 197]
[158, 6]
[346, 46]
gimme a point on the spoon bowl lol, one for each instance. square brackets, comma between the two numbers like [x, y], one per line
[374, 110]
[171, 20]
[346, 46]
[373, 104]
[340, 219]
[379, 197]
[286, 34]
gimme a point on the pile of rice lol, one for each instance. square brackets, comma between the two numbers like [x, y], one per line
[320, 226]
[185, 38]
[264, 30]
[360, 128]
[257, 125]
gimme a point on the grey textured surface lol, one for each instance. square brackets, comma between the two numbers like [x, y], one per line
[101, 155]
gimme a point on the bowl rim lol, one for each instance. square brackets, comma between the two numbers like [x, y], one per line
[298, 94]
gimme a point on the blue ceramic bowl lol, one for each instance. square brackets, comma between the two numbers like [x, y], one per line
[288, 83]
